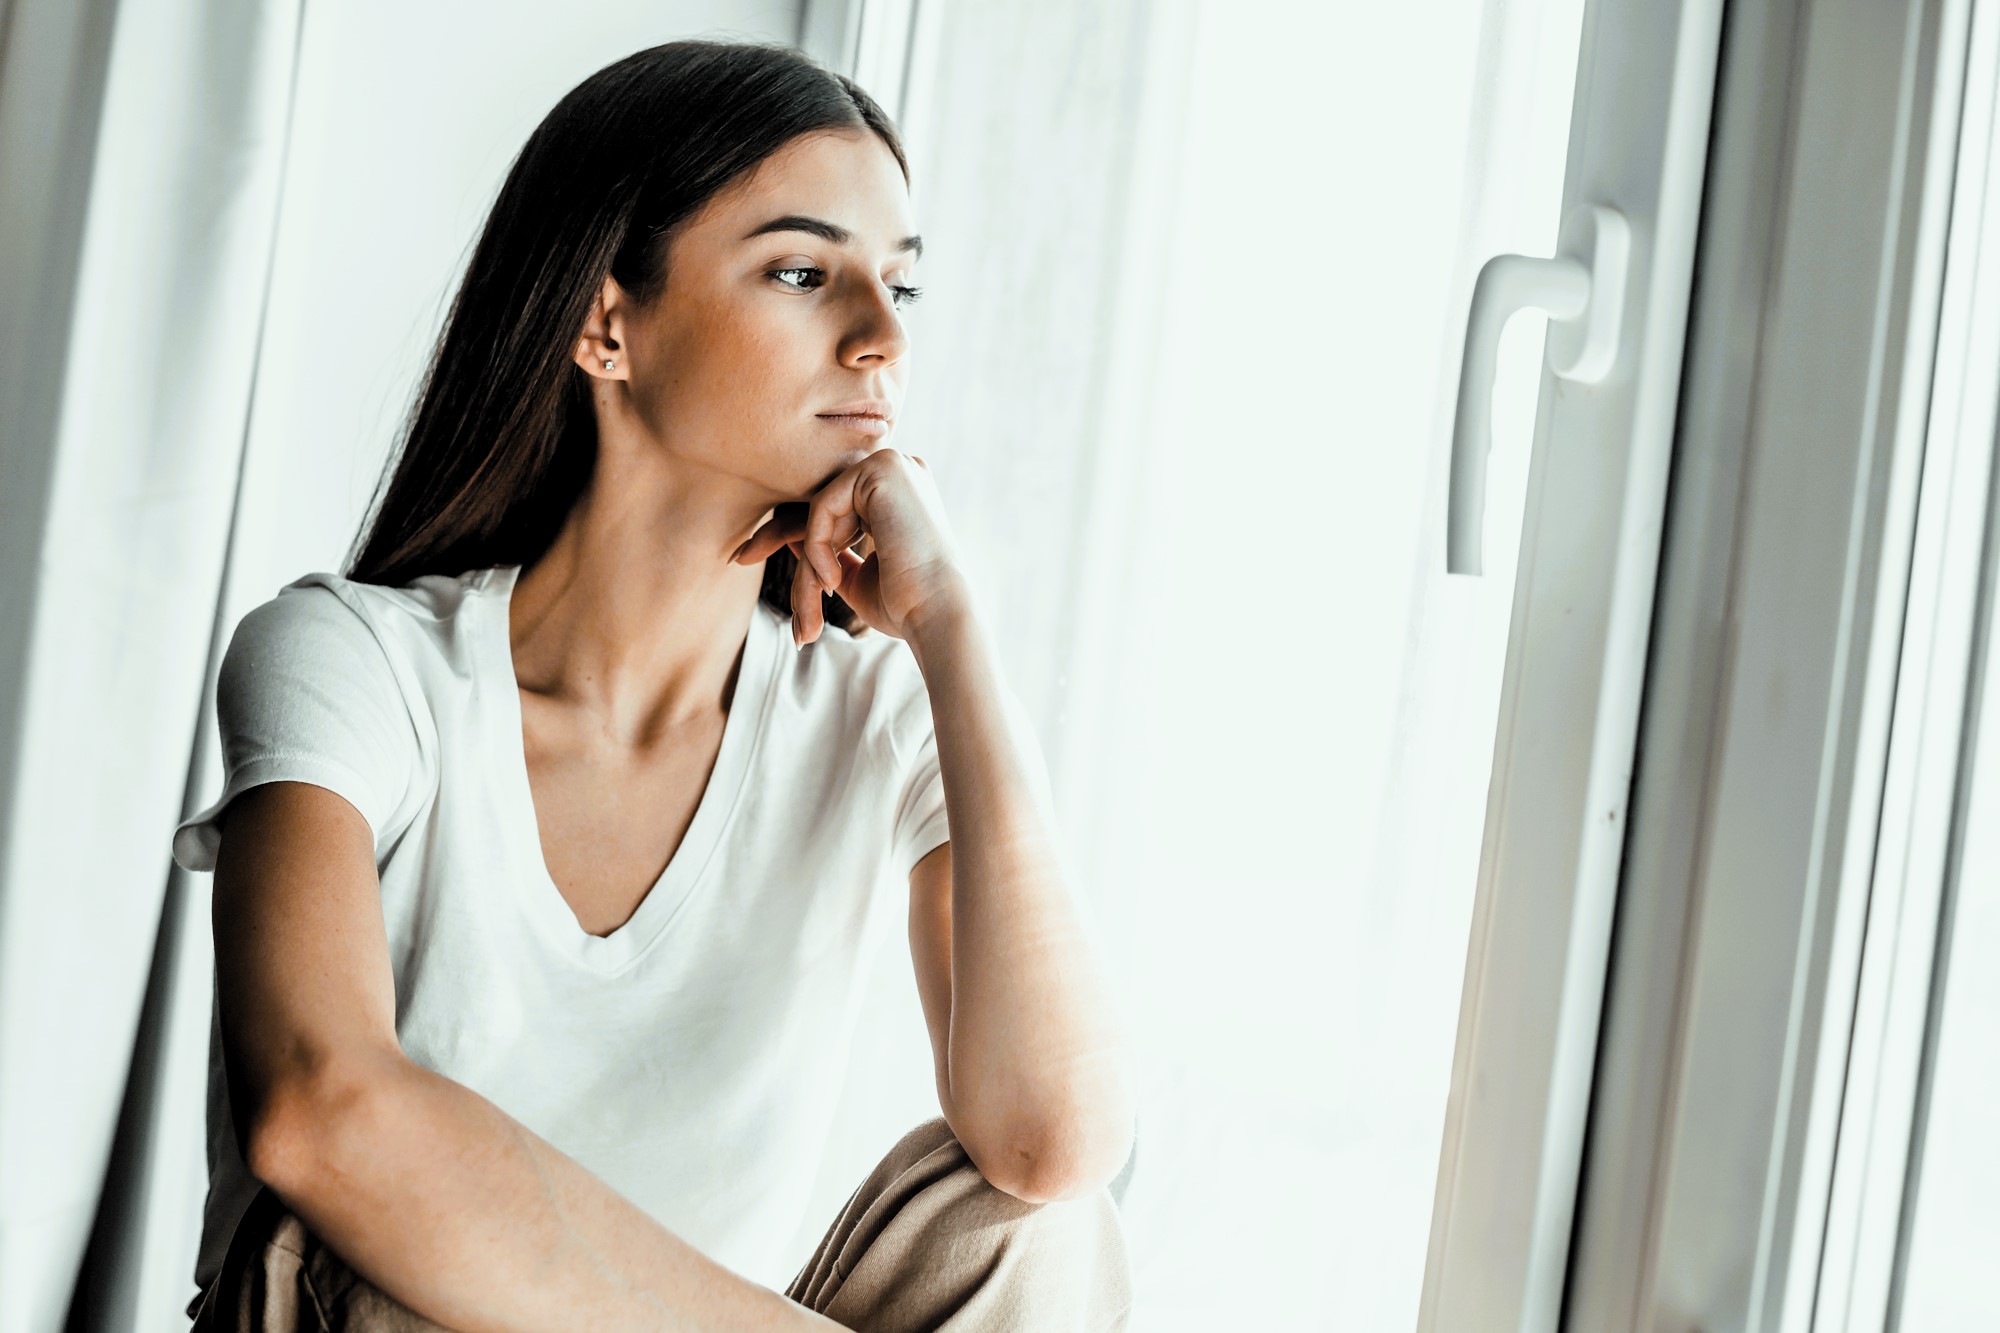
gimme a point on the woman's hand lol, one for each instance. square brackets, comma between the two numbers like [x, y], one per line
[912, 574]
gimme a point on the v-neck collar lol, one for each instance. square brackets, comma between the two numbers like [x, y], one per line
[555, 920]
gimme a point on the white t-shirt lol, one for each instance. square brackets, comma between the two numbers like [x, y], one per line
[690, 1058]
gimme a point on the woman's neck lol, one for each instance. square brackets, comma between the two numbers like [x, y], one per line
[635, 614]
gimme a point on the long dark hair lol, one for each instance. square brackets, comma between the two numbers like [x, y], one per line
[502, 438]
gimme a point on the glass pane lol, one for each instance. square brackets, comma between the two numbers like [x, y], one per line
[1951, 1224]
[1313, 699]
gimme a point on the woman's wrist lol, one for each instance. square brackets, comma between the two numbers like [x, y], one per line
[942, 623]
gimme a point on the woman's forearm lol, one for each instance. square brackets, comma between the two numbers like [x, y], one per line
[446, 1203]
[1039, 1066]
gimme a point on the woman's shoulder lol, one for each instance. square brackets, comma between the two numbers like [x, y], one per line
[869, 680]
[426, 598]
[422, 606]
[861, 655]
[325, 621]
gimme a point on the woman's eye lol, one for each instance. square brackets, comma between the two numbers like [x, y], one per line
[780, 275]
[817, 276]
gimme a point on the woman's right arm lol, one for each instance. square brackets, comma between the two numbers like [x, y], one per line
[425, 1188]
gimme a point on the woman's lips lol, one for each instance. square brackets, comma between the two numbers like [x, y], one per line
[867, 425]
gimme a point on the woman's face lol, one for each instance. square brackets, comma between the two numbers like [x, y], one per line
[781, 305]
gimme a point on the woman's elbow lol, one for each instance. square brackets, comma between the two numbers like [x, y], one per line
[302, 1126]
[1079, 1159]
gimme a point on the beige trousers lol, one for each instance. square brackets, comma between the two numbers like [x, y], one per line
[925, 1243]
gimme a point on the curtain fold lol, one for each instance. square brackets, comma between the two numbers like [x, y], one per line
[143, 144]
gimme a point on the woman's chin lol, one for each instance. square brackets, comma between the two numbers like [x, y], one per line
[843, 460]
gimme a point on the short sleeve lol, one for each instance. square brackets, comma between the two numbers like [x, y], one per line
[921, 822]
[305, 693]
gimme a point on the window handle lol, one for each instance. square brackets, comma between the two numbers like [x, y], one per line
[1583, 290]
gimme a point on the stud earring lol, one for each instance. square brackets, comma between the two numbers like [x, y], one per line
[608, 364]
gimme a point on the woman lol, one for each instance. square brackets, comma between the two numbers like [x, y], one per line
[545, 868]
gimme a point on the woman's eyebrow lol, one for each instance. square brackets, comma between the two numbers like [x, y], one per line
[829, 231]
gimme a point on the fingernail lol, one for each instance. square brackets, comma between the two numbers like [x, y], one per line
[738, 554]
[826, 578]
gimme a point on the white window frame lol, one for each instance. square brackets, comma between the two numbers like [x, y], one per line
[1569, 712]
[1783, 701]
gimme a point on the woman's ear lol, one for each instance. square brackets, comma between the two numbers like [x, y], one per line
[599, 349]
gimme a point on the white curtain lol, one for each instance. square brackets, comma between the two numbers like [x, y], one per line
[142, 150]
[1217, 428]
